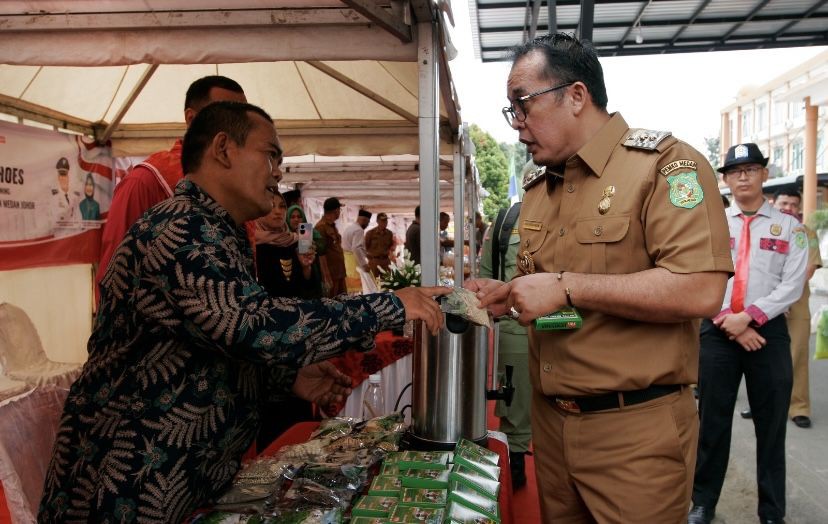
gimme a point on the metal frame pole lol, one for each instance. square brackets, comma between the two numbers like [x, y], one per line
[429, 120]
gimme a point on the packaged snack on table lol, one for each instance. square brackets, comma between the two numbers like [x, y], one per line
[460, 514]
[426, 478]
[488, 454]
[472, 499]
[248, 498]
[474, 480]
[374, 506]
[226, 517]
[369, 520]
[417, 514]
[309, 516]
[361, 457]
[425, 460]
[473, 460]
[265, 470]
[393, 422]
[307, 494]
[347, 477]
[424, 497]
[392, 469]
[334, 428]
[386, 485]
[310, 451]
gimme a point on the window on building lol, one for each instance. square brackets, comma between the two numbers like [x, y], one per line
[780, 113]
[797, 109]
[761, 117]
[820, 161]
[747, 123]
[797, 156]
[732, 137]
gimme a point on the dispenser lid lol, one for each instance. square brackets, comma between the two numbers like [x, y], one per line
[375, 378]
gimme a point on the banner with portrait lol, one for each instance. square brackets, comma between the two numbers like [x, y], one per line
[55, 191]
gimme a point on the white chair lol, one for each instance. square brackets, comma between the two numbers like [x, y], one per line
[22, 357]
[28, 425]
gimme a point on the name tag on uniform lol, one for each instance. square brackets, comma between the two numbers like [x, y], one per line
[532, 226]
[774, 244]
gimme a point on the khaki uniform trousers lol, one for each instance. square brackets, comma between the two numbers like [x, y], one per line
[800, 331]
[623, 466]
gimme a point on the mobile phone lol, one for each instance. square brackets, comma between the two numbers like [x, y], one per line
[305, 238]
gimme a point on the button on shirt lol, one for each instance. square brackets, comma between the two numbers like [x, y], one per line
[778, 259]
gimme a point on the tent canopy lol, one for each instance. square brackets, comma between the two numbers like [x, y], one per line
[338, 78]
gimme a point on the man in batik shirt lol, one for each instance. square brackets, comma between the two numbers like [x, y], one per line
[186, 343]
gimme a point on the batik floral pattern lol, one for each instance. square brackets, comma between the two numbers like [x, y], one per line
[186, 346]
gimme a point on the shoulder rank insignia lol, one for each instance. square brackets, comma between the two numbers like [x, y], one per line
[534, 177]
[645, 138]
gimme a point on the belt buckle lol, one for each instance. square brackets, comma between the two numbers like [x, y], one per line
[568, 405]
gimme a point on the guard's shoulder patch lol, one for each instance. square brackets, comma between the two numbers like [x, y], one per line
[534, 177]
[645, 139]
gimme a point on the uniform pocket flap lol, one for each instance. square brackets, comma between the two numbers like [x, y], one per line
[601, 229]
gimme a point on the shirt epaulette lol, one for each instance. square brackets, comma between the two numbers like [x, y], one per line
[534, 177]
[645, 138]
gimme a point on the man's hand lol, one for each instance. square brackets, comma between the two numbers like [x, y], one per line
[733, 324]
[419, 304]
[532, 295]
[750, 340]
[483, 287]
[322, 384]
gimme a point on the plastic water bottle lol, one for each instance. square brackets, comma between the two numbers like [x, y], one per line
[373, 403]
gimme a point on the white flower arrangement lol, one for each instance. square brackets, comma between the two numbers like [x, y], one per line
[402, 273]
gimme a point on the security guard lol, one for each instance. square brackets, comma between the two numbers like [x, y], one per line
[626, 226]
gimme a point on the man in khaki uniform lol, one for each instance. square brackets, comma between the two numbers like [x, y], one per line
[333, 260]
[626, 226]
[799, 316]
[378, 244]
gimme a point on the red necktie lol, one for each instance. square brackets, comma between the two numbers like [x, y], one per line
[737, 298]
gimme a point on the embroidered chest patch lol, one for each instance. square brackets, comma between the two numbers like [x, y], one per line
[685, 190]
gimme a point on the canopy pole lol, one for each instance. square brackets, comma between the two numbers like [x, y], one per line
[459, 215]
[429, 120]
[809, 184]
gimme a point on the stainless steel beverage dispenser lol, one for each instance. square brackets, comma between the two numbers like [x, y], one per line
[449, 384]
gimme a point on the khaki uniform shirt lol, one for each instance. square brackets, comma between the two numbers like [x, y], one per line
[800, 309]
[333, 248]
[378, 243]
[662, 213]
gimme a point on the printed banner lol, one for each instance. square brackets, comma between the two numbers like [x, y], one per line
[55, 191]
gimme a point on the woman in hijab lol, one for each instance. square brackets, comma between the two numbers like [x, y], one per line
[282, 271]
[89, 207]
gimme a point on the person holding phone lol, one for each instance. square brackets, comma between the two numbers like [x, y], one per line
[285, 262]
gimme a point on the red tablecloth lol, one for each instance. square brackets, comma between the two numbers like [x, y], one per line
[301, 432]
[360, 364]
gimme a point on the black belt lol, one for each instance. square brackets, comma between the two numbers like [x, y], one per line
[612, 400]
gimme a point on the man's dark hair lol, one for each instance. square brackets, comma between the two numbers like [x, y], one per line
[417, 212]
[232, 118]
[787, 192]
[198, 94]
[568, 60]
[445, 215]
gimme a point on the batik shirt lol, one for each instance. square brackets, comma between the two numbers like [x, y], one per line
[185, 347]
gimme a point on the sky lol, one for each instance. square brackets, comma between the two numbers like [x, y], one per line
[682, 93]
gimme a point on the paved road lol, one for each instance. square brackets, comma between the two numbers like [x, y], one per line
[807, 459]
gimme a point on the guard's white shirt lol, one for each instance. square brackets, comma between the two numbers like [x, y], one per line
[778, 260]
[353, 240]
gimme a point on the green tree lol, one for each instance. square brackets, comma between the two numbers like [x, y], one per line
[712, 145]
[494, 171]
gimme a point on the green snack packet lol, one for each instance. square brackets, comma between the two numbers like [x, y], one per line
[566, 318]
[474, 480]
[374, 506]
[417, 514]
[426, 478]
[424, 460]
[486, 453]
[386, 485]
[474, 500]
[460, 514]
[426, 498]
[476, 462]
[393, 457]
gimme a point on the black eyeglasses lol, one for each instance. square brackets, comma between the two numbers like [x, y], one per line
[512, 113]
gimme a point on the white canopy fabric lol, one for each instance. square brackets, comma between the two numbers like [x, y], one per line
[335, 82]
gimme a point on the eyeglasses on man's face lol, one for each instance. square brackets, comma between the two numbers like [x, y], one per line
[749, 171]
[512, 113]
